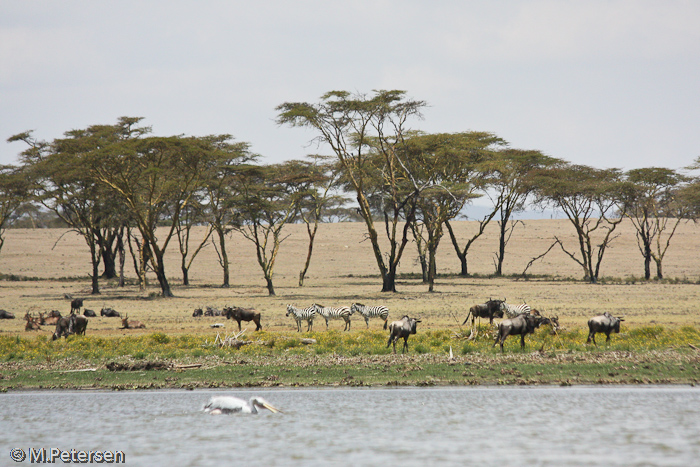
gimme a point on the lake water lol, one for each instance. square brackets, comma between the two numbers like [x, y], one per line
[509, 426]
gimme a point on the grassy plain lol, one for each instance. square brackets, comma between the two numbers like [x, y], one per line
[41, 267]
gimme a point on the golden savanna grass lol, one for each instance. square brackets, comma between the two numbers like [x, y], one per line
[53, 264]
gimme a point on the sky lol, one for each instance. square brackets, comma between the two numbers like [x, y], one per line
[605, 83]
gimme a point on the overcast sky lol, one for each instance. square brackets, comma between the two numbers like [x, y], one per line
[603, 83]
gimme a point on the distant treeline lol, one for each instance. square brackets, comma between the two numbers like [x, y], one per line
[115, 184]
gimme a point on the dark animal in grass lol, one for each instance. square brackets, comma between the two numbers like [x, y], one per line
[213, 312]
[133, 324]
[491, 309]
[605, 323]
[197, 312]
[243, 314]
[73, 324]
[54, 314]
[89, 313]
[522, 324]
[402, 328]
[110, 313]
[75, 305]
[6, 315]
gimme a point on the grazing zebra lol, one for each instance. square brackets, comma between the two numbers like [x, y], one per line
[302, 314]
[327, 313]
[368, 312]
[514, 310]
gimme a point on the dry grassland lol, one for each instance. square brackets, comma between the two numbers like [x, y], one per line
[343, 271]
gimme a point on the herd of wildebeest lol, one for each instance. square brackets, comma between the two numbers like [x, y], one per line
[520, 319]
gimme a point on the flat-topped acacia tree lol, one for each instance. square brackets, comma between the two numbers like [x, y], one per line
[361, 130]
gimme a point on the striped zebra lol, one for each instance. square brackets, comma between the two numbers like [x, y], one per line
[514, 310]
[368, 312]
[301, 314]
[327, 313]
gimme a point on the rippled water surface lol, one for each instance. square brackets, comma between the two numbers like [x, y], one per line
[577, 426]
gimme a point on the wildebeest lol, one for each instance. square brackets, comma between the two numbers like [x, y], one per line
[75, 305]
[6, 315]
[491, 309]
[243, 314]
[606, 323]
[197, 312]
[110, 313]
[73, 324]
[213, 312]
[131, 325]
[522, 324]
[402, 328]
[54, 314]
[89, 313]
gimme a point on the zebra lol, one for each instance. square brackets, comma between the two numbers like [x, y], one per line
[514, 310]
[302, 314]
[327, 313]
[368, 312]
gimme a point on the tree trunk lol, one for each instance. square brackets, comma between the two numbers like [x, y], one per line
[659, 269]
[501, 247]
[95, 269]
[185, 275]
[647, 259]
[224, 255]
[389, 281]
[160, 274]
[270, 287]
[312, 235]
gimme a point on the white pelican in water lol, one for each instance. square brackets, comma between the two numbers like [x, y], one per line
[227, 404]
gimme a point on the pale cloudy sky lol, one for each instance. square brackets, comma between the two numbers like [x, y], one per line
[606, 83]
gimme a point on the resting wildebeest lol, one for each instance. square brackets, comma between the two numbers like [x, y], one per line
[6, 315]
[76, 304]
[110, 313]
[197, 312]
[606, 323]
[89, 313]
[213, 312]
[522, 324]
[131, 325]
[403, 328]
[243, 314]
[73, 324]
[491, 309]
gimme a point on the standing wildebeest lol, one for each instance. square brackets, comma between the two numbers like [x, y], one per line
[197, 312]
[73, 324]
[403, 328]
[243, 314]
[75, 305]
[89, 313]
[6, 315]
[491, 309]
[606, 323]
[131, 325]
[110, 313]
[522, 324]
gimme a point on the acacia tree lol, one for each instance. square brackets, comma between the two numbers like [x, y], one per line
[315, 198]
[266, 202]
[651, 203]
[588, 197]
[509, 189]
[14, 191]
[449, 166]
[62, 184]
[357, 128]
[156, 177]
[220, 190]
[190, 216]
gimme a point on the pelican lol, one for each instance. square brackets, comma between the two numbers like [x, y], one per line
[228, 404]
